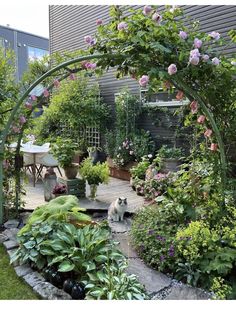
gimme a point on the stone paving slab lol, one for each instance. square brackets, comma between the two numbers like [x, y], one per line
[3, 238]
[47, 291]
[23, 270]
[125, 245]
[33, 278]
[120, 227]
[11, 233]
[10, 244]
[185, 292]
[153, 280]
[11, 224]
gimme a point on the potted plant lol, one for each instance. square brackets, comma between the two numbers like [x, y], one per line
[94, 175]
[59, 190]
[64, 150]
[170, 158]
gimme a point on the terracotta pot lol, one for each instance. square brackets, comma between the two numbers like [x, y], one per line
[71, 171]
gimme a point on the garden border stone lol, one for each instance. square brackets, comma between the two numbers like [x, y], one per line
[11, 244]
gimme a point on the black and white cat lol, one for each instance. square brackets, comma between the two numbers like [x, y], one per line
[117, 209]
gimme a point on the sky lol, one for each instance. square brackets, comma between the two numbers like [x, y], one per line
[33, 15]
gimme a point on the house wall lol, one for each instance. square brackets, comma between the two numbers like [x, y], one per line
[69, 24]
[19, 42]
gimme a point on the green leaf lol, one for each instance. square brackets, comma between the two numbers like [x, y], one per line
[47, 252]
[66, 266]
[160, 47]
[57, 259]
[29, 244]
[101, 258]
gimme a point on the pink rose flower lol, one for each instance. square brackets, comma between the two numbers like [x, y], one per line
[157, 18]
[208, 133]
[172, 69]
[183, 35]
[90, 65]
[214, 35]
[197, 43]
[46, 93]
[205, 57]
[215, 61]
[88, 39]
[72, 76]
[213, 147]
[201, 119]
[99, 22]
[147, 9]
[33, 97]
[22, 120]
[143, 81]
[194, 106]
[194, 60]
[56, 83]
[195, 53]
[15, 129]
[28, 105]
[179, 95]
[122, 26]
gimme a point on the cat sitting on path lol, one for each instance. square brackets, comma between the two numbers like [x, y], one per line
[117, 209]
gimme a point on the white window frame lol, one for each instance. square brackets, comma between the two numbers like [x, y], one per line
[172, 103]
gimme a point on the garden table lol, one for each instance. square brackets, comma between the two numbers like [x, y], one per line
[34, 150]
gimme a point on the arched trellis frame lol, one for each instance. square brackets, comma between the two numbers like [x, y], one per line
[190, 93]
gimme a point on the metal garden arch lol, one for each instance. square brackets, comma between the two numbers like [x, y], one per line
[190, 93]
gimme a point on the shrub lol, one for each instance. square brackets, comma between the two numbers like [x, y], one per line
[94, 174]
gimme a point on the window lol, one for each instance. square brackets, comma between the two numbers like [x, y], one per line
[161, 99]
[36, 53]
[2, 43]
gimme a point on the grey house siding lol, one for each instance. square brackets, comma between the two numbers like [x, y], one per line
[19, 42]
[69, 24]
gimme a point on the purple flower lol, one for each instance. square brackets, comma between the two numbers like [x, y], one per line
[172, 69]
[162, 258]
[99, 22]
[157, 18]
[160, 238]
[22, 120]
[214, 35]
[151, 232]
[143, 81]
[197, 43]
[147, 9]
[194, 60]
[205, 57]
[215, 61]
[183, 35]
[171, 250]
[122, 26]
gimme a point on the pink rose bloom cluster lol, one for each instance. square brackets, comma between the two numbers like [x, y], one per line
[194, 57]
[208, 133]
[160, 176]
[172, 69]
[201, 119]
[197, 43]
[33, 97]
[214, 147]
[90, 65]
[28, 105]
[72, 77]
[183, 35]
[143, 81]
[214, 35]
[22, 120]
[205, 58]
[157, 18]
[215, 61]
[89, 40]
[194, 107]
[99, 22]
[46, 93]
[179, 95]
[147, 9]
[122, 26]
[56, 83]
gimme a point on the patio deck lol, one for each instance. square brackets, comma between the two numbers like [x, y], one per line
[105, 195]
